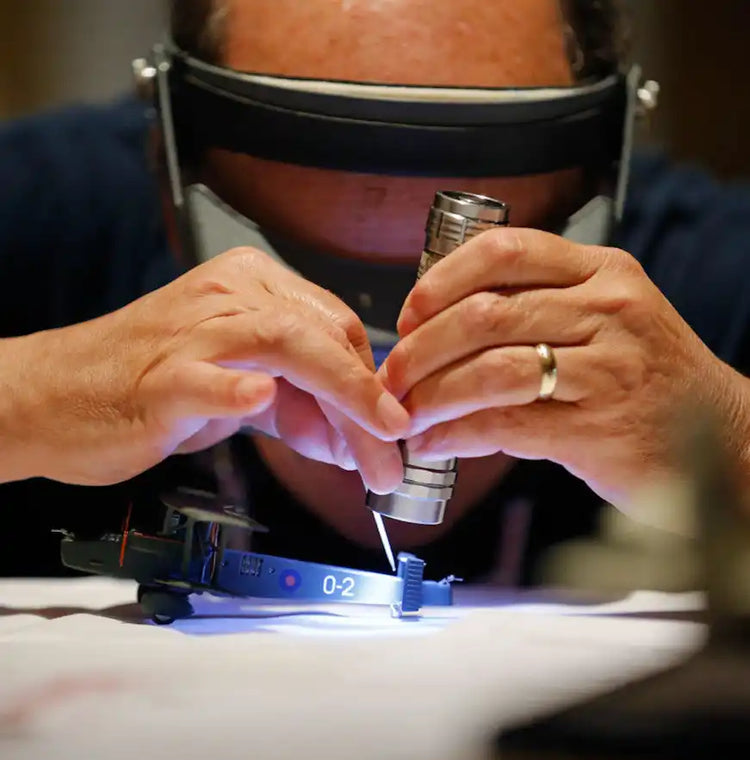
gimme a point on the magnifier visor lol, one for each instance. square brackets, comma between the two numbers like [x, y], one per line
[396, 130]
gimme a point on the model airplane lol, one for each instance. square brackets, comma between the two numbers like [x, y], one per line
[189, 555]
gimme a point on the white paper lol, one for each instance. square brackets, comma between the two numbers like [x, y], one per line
[341, 682]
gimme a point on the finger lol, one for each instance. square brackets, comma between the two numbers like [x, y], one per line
[296, 418]
[251, 268]
[543, 430]
[204, 390]
[500, 377]
[334, 311]
[328, 307]
[486, 320]
[209, 435]
[303, 426]
[288, 345]
[502, 258]
[379, 463]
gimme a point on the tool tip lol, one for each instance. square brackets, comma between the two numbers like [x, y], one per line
[384, 540]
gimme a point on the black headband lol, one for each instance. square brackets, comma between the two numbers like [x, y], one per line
[531, 131]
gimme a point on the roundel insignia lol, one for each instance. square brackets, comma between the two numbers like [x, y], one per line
[290, 580]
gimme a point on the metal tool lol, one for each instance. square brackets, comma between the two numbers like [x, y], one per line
[383, 533]
[427, 486]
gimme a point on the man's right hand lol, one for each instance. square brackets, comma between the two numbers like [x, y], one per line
[238, 341]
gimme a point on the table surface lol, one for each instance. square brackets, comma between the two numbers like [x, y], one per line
[83, 675]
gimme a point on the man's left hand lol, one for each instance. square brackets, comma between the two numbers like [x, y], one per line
[468, 372]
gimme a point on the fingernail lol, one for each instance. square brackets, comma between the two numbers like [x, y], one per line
[405, 321]
[393, 416]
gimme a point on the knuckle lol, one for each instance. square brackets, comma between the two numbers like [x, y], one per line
[504, 246]
[245, 257]
[621, 261]
[617, 298]
[244, 262]
[625, 299]
[338, 333]
[501, 370]
[225, 272]
[397, 366]
[352, 328]
[209, 284]
[486, 312]
[422, 298]
[628, 372]
[274, 331]
[325, 309]
[324, 321]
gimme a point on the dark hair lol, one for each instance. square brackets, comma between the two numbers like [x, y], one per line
[598, 36]
[598, 33]
[196, 28]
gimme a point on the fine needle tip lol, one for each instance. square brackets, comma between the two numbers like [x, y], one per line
[384, 540]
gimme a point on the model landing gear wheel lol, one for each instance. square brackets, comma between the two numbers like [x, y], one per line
[163, 607]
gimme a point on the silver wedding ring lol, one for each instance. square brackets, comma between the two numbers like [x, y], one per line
[549, 371]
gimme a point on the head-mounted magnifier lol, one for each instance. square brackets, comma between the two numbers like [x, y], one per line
[385, 130]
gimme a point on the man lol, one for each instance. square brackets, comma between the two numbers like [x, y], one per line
[242, 341]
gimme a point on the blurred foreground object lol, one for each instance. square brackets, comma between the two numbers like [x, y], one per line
[628, 554]
[700, 709]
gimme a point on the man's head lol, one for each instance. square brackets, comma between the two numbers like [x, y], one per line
[596, 31]
[465, 43]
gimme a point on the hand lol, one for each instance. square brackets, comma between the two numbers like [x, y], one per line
[236, 341]
[467, 370]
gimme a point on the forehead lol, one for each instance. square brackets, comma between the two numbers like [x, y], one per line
[482, 43]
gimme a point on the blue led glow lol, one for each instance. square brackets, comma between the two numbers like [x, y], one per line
[380, 353]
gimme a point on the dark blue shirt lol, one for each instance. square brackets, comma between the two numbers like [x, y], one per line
[81, 234]
[80, 229]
